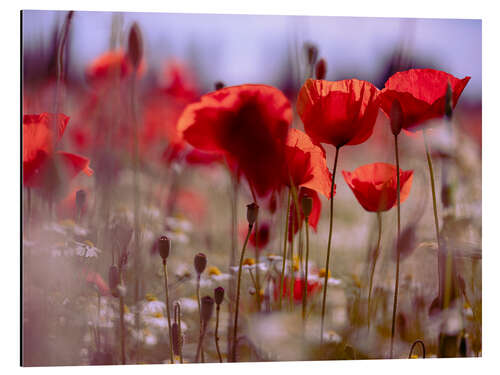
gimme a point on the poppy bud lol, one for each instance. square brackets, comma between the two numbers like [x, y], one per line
[80, 199]
[135, 45]
[200, 262]
[448, 103]
[396, 117]
[252, 213]
[114, 280]
[207, 308]
[307, 205]
[219, 85]
[219, 295]
[176, 339]
[321, 69]
[311, 53]
[164, 247]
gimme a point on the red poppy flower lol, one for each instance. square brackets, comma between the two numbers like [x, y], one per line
[94, 279]
[293, 224]
[313, 286]
[375, 185]
[264, 235]
[338, 113]
[111, 65]
[306, 163]
[249, 124]
[43, 167]
[421, 94]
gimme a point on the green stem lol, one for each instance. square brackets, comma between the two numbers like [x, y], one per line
[375, 258]
[199, 312]
[327, 265]
[291, 288]
[236, 311]
[304, 288]
[285, 242]
[396, 284]
[165, 277]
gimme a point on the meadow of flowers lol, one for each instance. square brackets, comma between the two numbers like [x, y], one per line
[162, 224]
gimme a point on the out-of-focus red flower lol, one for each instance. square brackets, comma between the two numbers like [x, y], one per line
[313, 286]
[110, 66]
[421, 94]
[249, 124]
[293, 224]
[375, 185]
[43, 166]
[188, 203]
[338, 113]
[94, 279]
[264, 230]
[306, 164]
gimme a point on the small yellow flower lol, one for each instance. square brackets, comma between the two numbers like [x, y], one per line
[213, 271]
[150, 297]
[249, 262]
[322, 272]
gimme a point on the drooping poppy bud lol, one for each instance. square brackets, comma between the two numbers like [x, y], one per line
[80, 199]
[307, 205]
[396, 117]
[448, 102]
[164, 247]
[176, 339]
[200, 262]
[321, 69]
[207, 308]
[219, 295]
[135, 47]
[311, 53]
[114, 280]
[252, 213]
[219, 85]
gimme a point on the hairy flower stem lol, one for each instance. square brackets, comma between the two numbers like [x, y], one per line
[232, 258]
[327, 265]
[177, 320]
[304, 288]
[217, 312]
[293, 218]
[291, 288]
[436, 220]
[236, 310]
[285, 242]
[396, 283]
[199, 349]
[257, 273]
[374, 264]
[167, 304]
[199, 311]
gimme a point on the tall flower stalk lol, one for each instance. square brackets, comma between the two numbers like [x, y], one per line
[307, 204]
[164, 249]
[218, 298]
[285, 242]
[374, 257]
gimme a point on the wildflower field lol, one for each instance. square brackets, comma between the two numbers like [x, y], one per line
[171, 217]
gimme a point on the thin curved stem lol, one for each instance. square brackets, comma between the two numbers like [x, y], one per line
[327, 265]
[413, 347]
[396, 283]
[285, 242]
[304, 288]
[236, 312]
[199, 349]
[374, 264]
[291, 288]
[167, 304]
[217, 333]
[177, 319]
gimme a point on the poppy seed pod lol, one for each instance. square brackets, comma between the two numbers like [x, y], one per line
[200, 263]
[114, 280]
[80, 198]
[307, 205]
[176, 339]
[219, 85]
[252, 213]
[164, 247]
[321, 69]
[135, 48]
[219, 295]
[207, 308]
[311, 53]
[396, 117]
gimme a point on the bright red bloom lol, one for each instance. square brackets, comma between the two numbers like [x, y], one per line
[111, 65]
[43, 166]
[313, 286]
[249, 124]
[338, 113]
[421, 94]
[293, 224]
[306, 164]
[375, 185]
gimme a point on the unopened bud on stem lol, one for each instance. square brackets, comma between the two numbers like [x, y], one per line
[252, 213]
[219, 295]
[135, 47]
[219, 85]
[448, 109]
[164, 247]
[200, 263]
[307, 205]
[396, 117]
[207, 309]
[321, 69]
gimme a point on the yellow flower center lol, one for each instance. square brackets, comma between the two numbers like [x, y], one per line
[158, 315]
[213, 271]
[322, 273]
[249, 262]
[150, 297]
